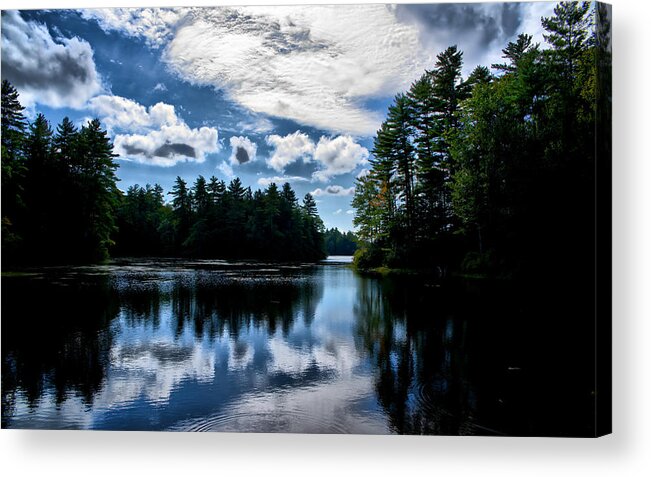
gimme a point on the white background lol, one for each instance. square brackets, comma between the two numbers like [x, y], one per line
[626, 452]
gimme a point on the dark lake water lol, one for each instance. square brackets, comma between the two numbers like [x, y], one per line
[250, 347]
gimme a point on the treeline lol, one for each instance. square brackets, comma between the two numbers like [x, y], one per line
[61, 204]
[59, 193]
[340, 243]
[494, 173]
[216, 220]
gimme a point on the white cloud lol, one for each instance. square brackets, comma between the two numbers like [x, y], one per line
[242, 150]
[334, 190]
[337, 156]
[480, 30]
[338, 212]
[154, 135]
[57, 73]
[333, 156]
[226, 169]
[320, 64]
[315, 64]
[154, 25]
[265, 181]
[350, 212]
[289, 149]
[258, 125]
[531, 24]
[123, 113]
[160, 87]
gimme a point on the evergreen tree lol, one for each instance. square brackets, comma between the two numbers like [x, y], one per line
[309, 205]
[38, 187]
[182, 207]
[200, 196]
[13, 168]
[569, 33]
[216, 190]
[141, 218]
[98, 191]
[515, 52]
[504, 165]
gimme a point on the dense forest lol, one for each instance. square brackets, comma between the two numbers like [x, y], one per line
[213, 219]
[494, 174]
[59, 192]
[340, 243]
[61, 204]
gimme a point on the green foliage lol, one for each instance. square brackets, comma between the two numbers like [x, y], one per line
[145, 223]
[59, 188]
[368, 257]
[217, 221]
[495, 173]
[338, 243]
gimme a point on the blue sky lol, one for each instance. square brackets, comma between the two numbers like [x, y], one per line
[267, 94]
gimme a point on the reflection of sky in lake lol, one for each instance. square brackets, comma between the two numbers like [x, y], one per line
[223, 346]
[308, 377]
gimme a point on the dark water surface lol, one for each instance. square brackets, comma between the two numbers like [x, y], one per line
[250, 347]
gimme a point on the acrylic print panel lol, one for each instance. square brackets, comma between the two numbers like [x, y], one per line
[374, 219]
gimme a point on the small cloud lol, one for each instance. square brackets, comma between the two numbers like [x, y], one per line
[363, 173]
[350, 212]
[226, 169]
[338, 212]
[289, 149]
[333, 156]
[265, 181]
[334, 190]
[337, 156]
[242, 150]
[160, 87]
[258, 125]
[154, 25]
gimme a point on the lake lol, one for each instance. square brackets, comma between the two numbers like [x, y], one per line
[206, 345]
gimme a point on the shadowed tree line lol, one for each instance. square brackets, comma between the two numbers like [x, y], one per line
[218, 220]
[494, 173]
[61, 203]
[340, 243]
[59, 193]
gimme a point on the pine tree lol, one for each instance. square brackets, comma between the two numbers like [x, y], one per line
[98, 191]
[569, 33]
[182, 207]
[515, 52]
[13, 123]
[200, 197]
[13, 169]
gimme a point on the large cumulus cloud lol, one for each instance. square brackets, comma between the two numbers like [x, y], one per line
[332, 156]
[155, 135]
[55, 72]
[316, 65]
[322, 65]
